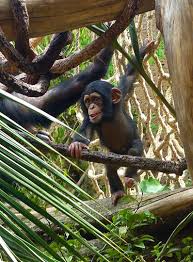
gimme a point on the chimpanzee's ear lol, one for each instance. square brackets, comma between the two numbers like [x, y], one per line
[116, 95]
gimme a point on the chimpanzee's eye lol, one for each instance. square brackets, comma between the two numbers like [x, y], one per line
[86, 102]
[97, 100]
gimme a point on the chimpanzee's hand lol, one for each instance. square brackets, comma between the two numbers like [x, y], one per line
[76, 148]
[133, 151]
[129, 182]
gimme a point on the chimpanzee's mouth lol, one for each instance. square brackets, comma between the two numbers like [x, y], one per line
[93, 116]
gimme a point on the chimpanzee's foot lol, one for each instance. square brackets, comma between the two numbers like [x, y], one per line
[116, 196]
[129, 182]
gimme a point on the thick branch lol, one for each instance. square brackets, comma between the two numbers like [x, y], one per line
[14, 84]
[21, 24]
[47, 17]
[112, 33]
[165, 205]
[43, 63]
[13, 56]
[176, 16]
[8, 67]
[74, 60]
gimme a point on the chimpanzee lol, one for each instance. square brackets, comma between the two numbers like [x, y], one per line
[103, 110]
[56, 100]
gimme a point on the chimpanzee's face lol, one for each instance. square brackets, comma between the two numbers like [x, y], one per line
[94, 105]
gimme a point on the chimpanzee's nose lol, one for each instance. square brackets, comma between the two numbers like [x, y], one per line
[91, 106]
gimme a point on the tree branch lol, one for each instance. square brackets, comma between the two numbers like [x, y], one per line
[12, 83]
[126, 160]
[13, 56]
[21, 24]
[91, 50]
[43, 63]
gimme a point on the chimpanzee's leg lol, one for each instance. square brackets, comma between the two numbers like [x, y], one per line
[131, 172]
[116, 186]
[130, 175]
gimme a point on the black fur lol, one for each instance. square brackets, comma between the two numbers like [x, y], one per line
[59, 98]
[56, 100]
[117, 130]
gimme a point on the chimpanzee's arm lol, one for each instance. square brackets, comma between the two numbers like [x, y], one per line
[59, 98]
[86, 132]
[98, 69]
[126, 81]
[56, 100]
[81, 142]
[136, 148]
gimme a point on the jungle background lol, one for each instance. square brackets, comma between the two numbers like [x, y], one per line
[131, 236]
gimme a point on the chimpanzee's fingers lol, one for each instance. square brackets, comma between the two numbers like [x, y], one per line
[78, 150]
[85, 147]
[71, 149]
[74, 148]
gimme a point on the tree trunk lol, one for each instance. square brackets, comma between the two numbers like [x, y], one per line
[175, 20]
[51, 16]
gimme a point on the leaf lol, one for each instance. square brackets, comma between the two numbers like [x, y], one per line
[152, 185]
[179, 227]
[126, 199]
[140, 245]
[147, 238]
[123, 230]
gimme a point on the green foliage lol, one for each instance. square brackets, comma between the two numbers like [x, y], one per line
[20, 163]
[154, 124]
[160, 52]
[84, 38]
[175, 232]
[152, 185]
[127, 225]
[181, 251]
[128, 231]
[43, 185]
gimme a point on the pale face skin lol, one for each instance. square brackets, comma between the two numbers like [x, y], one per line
[94, 104]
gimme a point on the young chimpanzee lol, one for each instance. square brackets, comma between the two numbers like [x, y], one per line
[103, 110]
[56, 100]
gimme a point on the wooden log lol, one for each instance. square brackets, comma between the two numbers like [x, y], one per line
[174, 18]
[48, 16]
[169, 206]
